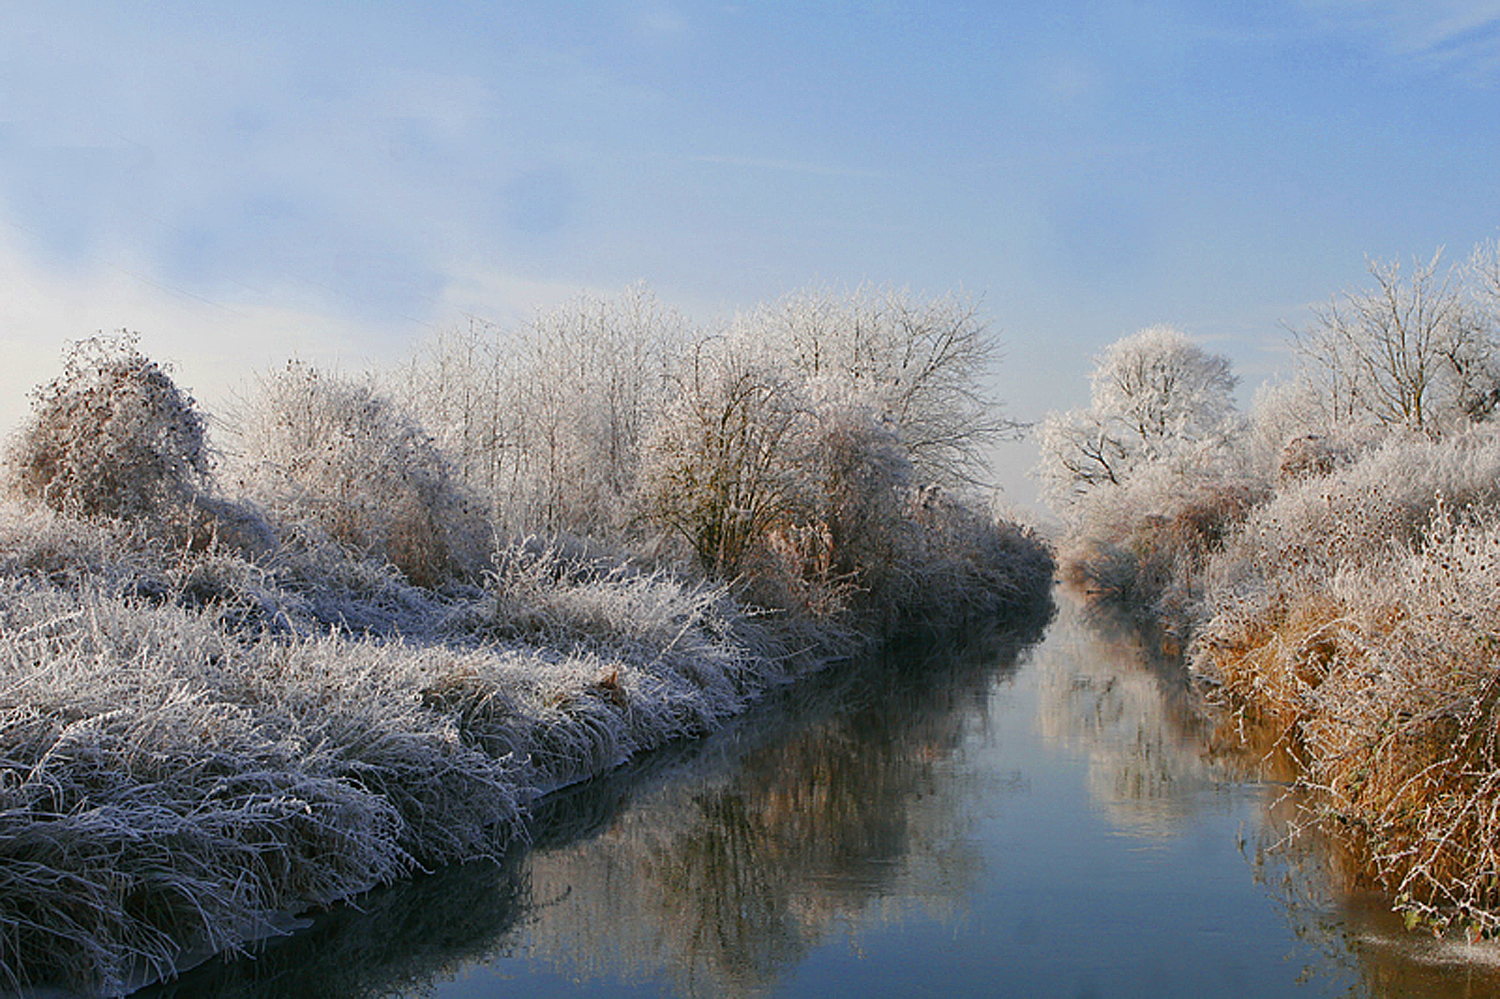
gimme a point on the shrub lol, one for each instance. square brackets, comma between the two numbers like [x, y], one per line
[112, 436]
[1353, 618]
[724, 461]
[328, 452]
[1145, 546]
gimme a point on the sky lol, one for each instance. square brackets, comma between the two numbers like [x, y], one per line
[247, 182]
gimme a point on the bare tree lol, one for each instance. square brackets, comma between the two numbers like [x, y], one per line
[724, 458]
[548, 420]
[923, 363]
[1412, 351]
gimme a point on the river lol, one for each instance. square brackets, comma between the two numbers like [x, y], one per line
[1004, 819]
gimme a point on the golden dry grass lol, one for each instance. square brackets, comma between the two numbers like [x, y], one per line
[1386, 683]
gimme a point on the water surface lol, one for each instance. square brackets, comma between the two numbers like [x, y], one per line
[998, 819]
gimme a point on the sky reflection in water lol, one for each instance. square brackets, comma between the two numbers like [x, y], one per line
[1005, 821]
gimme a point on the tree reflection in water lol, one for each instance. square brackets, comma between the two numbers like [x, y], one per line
[841, 805]
[1110, 692]
[719, 867]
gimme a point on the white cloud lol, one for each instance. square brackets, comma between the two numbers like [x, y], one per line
[216, 342]
[213, 345]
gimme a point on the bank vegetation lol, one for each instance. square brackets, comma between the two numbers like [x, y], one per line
[361, 626]
[1329, 564]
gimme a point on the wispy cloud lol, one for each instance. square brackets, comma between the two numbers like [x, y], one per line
[1463, 35]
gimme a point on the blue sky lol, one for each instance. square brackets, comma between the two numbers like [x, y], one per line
[244, 182]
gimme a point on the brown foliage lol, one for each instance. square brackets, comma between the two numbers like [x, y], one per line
[111, 436]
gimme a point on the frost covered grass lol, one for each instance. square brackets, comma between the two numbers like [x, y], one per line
[1348, 621]
[179, 777]
[195, 746]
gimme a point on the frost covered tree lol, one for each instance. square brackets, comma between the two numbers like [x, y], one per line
[1411, 352]
[1484, 277]
[921, 363]
[1155, 395]
[724, 459]
[548, 419]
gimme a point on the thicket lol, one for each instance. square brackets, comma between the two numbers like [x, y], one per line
[796, 452]
[1329, 566]
[354, 648]
[334, 455]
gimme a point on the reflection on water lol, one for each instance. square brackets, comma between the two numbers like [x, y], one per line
[1155, 759]
[1106, 691]
[1355, 928]
[983, 820]
[394, 943]
[840, 807]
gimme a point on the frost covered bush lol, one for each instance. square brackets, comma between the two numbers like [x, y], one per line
[112, 436]
[1381, 684]
[1310, 530]
[723, 462]
[1147, 543]
[797, 490]
[964, 563]
[846, 544]
[1151, 476]
[1351, 620]
[322, 450]
[548, 420]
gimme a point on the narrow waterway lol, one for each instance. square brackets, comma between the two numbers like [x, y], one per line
[999, 820]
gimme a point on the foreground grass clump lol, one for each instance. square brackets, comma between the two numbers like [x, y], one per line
[195, 746]
[177, 776]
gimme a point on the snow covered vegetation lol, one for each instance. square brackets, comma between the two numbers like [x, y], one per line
[1330, 564]
[369, 630]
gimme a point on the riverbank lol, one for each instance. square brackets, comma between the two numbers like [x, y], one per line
[196, 744]
[1348, 618]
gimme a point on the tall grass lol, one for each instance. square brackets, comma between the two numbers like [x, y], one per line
[1356, 619]
[174, 780]
[178, 776]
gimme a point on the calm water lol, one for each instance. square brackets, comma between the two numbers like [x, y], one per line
[1001, 820]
